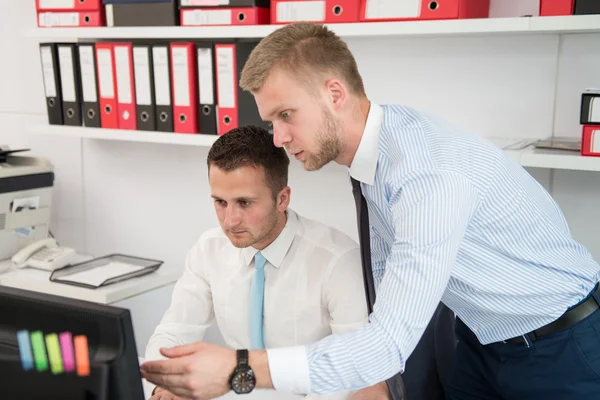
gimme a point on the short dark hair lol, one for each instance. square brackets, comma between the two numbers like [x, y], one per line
[251, 146]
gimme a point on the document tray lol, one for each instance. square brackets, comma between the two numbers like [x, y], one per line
[103, 271]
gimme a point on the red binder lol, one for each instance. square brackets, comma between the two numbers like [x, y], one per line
[224, 16]
[556, 7]
[184, 87]
[48, 19]
[125, 85]
[590, 141]
[424, 10]
[107, 88]
[328, 11]
[226, 78]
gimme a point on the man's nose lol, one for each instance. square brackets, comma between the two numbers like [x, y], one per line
[232, 217]
[281, 136]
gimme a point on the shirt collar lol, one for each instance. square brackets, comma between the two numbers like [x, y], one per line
[364, 164]
[276, 251]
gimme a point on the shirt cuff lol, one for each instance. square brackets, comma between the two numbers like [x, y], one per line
[289, 369]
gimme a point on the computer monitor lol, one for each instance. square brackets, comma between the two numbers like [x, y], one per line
[113, 362]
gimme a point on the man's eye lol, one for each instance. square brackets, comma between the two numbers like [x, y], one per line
[285, 114]
[244, 203]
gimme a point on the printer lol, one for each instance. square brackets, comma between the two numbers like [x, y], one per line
[25, 195]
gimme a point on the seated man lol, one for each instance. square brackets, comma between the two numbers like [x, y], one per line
[311, 273]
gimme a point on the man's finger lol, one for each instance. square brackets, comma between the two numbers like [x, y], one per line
[165, 381]
[180, 351]
[175, 384]
[167, 367]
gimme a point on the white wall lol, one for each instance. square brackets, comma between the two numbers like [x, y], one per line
[153, 200]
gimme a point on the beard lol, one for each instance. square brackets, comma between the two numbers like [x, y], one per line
[249, 238]
[329, 143]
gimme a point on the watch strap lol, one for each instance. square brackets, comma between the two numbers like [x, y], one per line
[242, 358]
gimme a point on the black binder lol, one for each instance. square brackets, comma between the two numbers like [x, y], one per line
[206, 88]
[247, 109]
[583, 7]
[144, 88]
[141, 12]
[161, 66]
[89, 85]
[51, 77]
[70, 83]
[590, 108]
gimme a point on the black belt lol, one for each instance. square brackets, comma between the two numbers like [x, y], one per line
[568, 319]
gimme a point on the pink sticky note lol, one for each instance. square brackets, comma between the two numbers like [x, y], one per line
[66, 347]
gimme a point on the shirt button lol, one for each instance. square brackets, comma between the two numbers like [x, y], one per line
[475, 328]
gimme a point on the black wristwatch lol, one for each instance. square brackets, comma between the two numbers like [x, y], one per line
[242, 380]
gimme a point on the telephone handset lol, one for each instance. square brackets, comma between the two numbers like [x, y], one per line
[44, 254]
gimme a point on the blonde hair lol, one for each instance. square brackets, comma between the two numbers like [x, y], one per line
[306, 50]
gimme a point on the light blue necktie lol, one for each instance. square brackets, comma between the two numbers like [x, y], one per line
[257, 291]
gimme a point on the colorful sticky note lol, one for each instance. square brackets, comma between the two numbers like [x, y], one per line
[56, 365]
[25, 349]
[39, 351]
[82, 357]
[66, 346]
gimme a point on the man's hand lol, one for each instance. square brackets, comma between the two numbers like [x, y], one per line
[162, 394]
[376, 392]
[196, 371]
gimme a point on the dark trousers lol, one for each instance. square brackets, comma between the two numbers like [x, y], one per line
[430, 362]
[564, 365]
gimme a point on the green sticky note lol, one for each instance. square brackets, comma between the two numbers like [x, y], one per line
[56, 364]
[39, 351]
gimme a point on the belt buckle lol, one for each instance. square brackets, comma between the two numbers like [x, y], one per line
[526, 339]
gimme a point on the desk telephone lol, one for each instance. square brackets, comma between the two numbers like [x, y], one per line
[44, 254]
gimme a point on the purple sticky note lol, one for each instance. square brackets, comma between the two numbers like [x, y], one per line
[66, 347]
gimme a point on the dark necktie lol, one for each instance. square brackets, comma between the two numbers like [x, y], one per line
[395, 384]
[362, 214]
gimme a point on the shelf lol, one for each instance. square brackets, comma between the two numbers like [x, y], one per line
[566, 24]
[125, 135]
[523, 152]
[527, 157]
[560, 24]
[558, 159]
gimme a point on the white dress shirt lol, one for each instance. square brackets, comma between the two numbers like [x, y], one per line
[313, 288]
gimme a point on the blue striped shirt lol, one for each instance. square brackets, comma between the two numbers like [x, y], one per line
[452, 218]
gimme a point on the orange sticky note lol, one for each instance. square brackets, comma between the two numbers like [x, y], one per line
[82, 357]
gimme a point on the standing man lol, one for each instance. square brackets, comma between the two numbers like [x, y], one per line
[452, 219]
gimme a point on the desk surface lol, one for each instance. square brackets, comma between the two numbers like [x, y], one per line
[39, 281]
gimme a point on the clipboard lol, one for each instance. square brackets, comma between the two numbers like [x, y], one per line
[104, 271]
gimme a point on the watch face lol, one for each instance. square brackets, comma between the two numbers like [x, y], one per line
[243, 381]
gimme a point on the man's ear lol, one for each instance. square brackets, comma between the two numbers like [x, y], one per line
[283, 198]
[337, 93]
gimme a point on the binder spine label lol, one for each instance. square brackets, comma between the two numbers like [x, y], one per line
[141, 64]
[160, 59]
[226, 72]
[205, 76]
[88, 74]
[180, 77]
[67, 76]
[105, 74]
[48, 71]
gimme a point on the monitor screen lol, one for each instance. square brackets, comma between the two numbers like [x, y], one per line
[57, 347]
